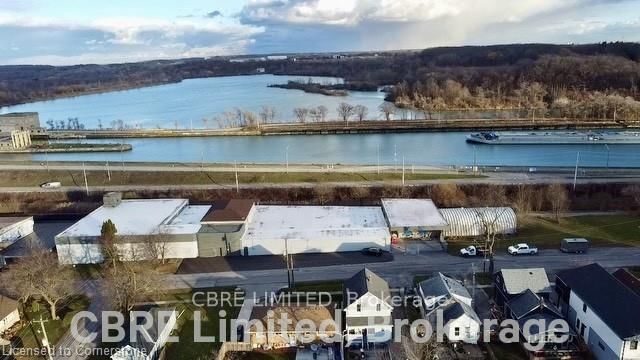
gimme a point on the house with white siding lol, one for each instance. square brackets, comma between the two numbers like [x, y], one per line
[448, 299]
[368, 309]
[603, 311]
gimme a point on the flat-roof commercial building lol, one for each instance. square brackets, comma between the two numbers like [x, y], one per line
[172, 224]
[414, 218]
[13, 229]
[278, 230]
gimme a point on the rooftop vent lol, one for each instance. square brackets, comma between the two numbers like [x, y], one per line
[112, 199]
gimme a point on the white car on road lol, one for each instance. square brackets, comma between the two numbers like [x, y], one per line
[522, 249]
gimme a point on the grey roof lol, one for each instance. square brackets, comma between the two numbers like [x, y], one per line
[534, 326]
[527, 302]
[607, 297]
[441, 285]
[456, 309]
[366, 281]
[517, 281]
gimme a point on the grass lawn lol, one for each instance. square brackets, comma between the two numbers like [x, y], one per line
[187, 348]
[100, 178]
[545, 233]
[31, 335]
[508, 351]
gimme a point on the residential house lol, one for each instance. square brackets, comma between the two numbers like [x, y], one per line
[447, 298]
[148, 343]
[368, 309]
[603, 311]
[9, 313]
[510, 283]
[530, 307]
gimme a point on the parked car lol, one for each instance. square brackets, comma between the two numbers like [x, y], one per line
[574, 245]
[375, 251]
[51, 184]
[473, 250]
[522, 249]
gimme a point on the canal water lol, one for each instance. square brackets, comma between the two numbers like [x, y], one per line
[447, 148]
[190, 101]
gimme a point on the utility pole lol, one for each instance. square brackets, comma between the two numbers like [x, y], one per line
[108, 171]
[378, 157]
[607, 146]
[46, 158]
[235, 165]
[45, 341]
[402, 170]
[475, 159]
[122, 156]
[395, 157]
[473, 291]
[575, 174]
[286, 159]
[86, 184]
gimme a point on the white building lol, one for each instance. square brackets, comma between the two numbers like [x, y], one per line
[171, 225]
[9, 314]
[603, 311]
[446, 298]
[13, 229]
[414, 218]
[278, 230]
[470, 222]
[148, 344]
[368, 309]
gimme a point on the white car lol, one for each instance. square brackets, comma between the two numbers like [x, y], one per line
[51, 184]
[522, 249]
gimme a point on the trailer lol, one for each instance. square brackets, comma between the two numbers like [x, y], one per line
[574, 245]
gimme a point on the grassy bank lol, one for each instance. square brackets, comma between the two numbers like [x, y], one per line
[545, 233]
[101, 178]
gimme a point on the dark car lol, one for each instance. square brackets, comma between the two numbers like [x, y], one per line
[373, 251]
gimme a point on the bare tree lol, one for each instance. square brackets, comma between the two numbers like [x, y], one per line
[489, 223]
[361, 112]
[345, 111]
[387, 109]
[156, 246]
[39, 275]
[133, 282]
[523, 200]
[558, 198]
[322, 112]
[301, 114]
[250, 119]
[324, 193]
[448, 194]
[267, 114]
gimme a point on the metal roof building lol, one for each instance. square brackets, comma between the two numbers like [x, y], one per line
[468, 222]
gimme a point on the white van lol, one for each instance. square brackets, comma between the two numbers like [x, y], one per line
[51, 184]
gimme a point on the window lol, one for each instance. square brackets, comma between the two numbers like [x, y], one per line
[456, 331]
[577, 324]
[584, 308]
[634, 345]
[378, 307]
[358, 308]
[600, 345]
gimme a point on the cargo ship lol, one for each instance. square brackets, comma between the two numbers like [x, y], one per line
[556, 138]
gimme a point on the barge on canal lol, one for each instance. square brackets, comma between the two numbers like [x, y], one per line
[555, 138]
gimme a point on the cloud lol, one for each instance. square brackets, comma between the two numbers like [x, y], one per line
[121, 39]
[213, 14]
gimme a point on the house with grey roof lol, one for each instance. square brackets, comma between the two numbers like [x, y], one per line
[510, 283]
[9, 313]
[602, 310]
[446, 298]
[368, 309]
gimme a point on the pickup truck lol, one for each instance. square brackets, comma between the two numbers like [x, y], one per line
[522, 249]
[472, 250]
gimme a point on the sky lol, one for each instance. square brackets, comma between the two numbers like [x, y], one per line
[64, 32]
